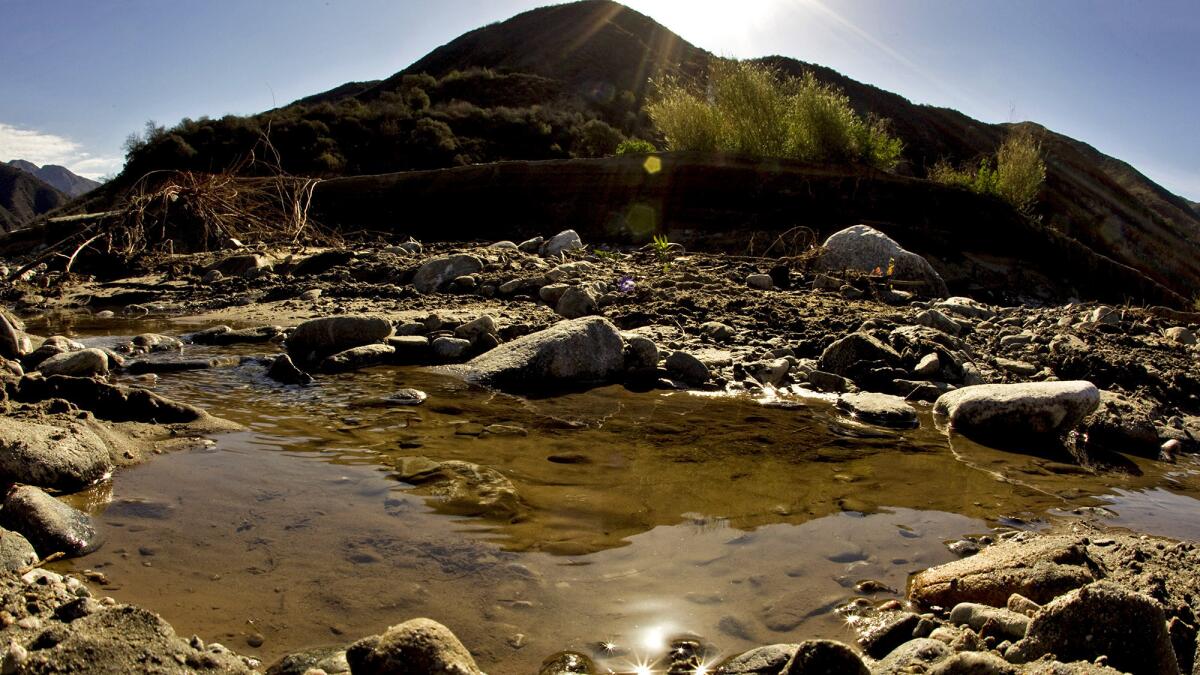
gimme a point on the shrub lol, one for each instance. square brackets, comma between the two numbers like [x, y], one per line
[635, 146]
[751, 109]
[597, 139]
[1016, 174]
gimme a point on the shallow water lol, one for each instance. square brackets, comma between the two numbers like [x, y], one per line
[643, 516]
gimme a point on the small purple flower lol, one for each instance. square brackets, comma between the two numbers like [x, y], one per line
[625, 285]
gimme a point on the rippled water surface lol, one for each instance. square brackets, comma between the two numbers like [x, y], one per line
[641, 515]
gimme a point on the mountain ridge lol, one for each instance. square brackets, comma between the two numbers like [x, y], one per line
[59, 177]
[24, 196]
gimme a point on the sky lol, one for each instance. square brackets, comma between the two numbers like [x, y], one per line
[78, 76]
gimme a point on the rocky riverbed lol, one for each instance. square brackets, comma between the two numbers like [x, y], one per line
[863, 323]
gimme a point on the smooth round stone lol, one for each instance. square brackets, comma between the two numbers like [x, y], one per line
[407, 397]
[882, 409]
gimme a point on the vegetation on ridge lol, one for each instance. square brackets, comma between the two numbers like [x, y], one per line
[751, 109]
[1015, 175]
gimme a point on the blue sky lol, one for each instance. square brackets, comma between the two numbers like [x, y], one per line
[1124, 76]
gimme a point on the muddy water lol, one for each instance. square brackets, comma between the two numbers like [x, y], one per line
[641, 515]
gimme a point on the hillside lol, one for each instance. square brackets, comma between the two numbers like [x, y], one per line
[24, 196]
[570, 81]
[59, 177]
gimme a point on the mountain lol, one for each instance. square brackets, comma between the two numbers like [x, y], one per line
[60, 177]
[571, 81]
[24, 196]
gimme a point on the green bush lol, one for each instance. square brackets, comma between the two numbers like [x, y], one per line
[751, 109]
[1016, 174]
[635, 146]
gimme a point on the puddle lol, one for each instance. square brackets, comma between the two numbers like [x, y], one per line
[642, 515]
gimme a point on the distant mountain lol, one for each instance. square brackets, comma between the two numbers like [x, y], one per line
[60, 177]
[24, 196]
[571, 81]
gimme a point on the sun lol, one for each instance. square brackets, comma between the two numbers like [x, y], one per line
[723, 27]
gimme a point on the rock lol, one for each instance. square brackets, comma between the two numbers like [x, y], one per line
[882, 633]
[211, 277]
[914, 656]
[1021, 368]
[567, 663]
[1180, 335]
[762, 282]
[640, 352]
[13, 342]
[66, 458]
[864, 249]
[1014, 410]
[282, 370]
[331, 660]
[50, 525]
[829, 382]
[1104, 315]
[504, 245]
[929, 366]
[843, 355]
[407, 397]
[470, 331]
[1101, 619]
[576, 302]
[448, 348]
[768, 660]
[433, 274]
[1009, 624]
[52, 346]
[938, 321]
[571, 352]
[356, 358]
[410, 247]
[772, 372]
[976, 663]
[83, 363]
[552, 293]
[148, 343]
[966, 308]
[111, 402]
[416, 647]
[224, 335]
[241, 265]
[317, 338]
[531, 245]
[1119, 424]
[686, 368]
[825, 657]
[881, 409]
[1022, 605]
[311, 295]
[16, 553]
[462, 488]
[411, 348]
[716, 331]
[1040, 570]
[567, 240]
[1017, 340]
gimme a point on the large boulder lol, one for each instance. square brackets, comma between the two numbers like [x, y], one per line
[1014, 410]
[572, 352]
[1101, 619]
[50, 525]
[61, 458]
[433, 274]
[843, 355]
[865, 249]
[416, 647]
[329, 335]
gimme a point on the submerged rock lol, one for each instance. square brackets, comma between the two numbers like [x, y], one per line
[865, 249]
[284, 371]
[462, 487]
[1014, 410]
[881, 409]
[356, 358]
[61, 458]
[571, 352]
[318, 338]
[419, 646]
[567, 663]
[49, 524]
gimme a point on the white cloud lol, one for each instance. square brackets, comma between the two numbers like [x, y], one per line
[42, 148]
